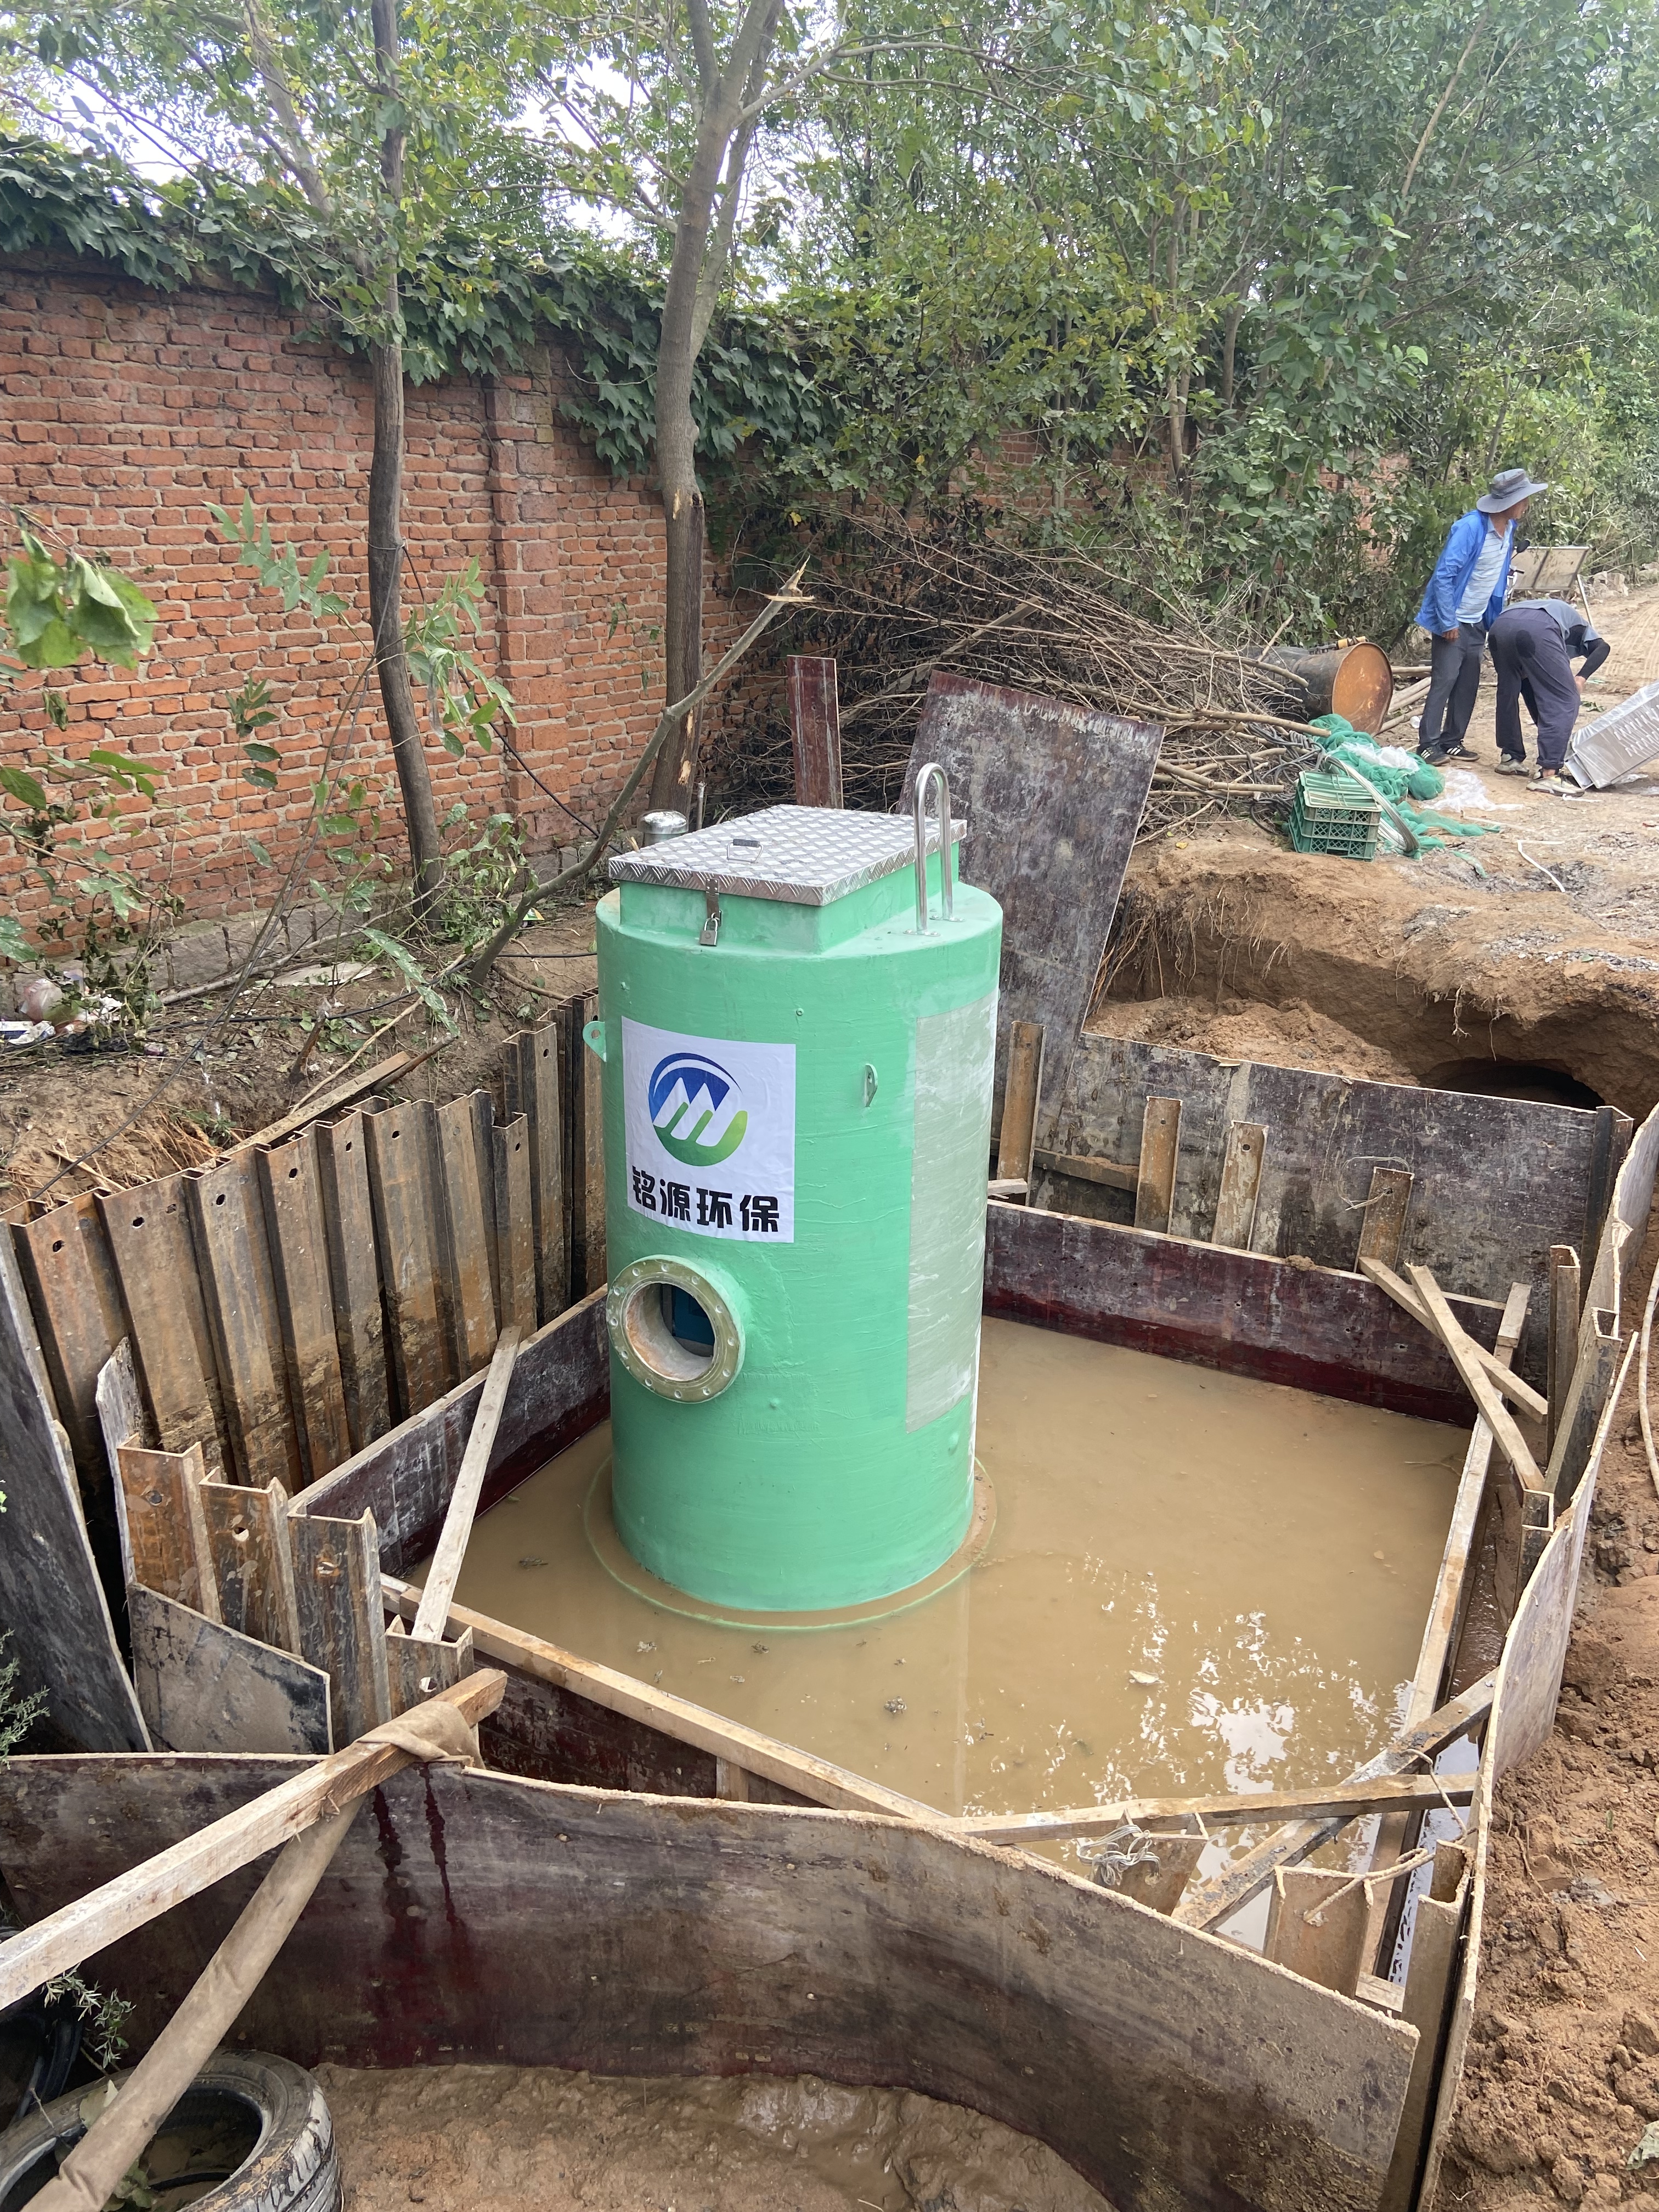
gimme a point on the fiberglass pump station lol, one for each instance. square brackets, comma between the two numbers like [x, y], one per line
[798, 1023]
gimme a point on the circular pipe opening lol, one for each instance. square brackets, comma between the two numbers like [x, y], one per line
[673, 1330]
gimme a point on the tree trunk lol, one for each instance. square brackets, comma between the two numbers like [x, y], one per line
[677, 458]
[1230, 350]
[385, 513]
[385, 559]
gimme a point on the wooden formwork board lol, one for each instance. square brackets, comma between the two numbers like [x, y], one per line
[203, 1687]
[545, 1925]
[76, 1300]
[402, 1147]
[561, 1387]
[466, 1236]
[233, 1257]
[354, 1277]
[290, 1181]
[1493, 1182]
[155, 1259]
[1238, 1311]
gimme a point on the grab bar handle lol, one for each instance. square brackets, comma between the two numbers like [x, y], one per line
[932, 772]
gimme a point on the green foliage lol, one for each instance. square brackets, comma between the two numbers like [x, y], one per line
[466, 700]
[19, 1711]
[482, 874]
[105, 2017]
[277, 567]
[56, 613]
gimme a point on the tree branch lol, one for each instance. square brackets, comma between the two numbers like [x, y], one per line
[674, 717]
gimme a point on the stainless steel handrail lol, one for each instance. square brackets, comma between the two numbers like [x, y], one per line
[947, 892]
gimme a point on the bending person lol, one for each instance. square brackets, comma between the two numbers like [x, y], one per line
[1534, 646]
[1465, 596]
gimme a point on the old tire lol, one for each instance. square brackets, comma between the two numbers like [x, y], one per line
[271, 2109]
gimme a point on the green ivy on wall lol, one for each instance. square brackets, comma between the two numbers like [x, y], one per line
[470, 306]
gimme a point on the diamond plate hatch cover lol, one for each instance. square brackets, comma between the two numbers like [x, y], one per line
[800, 855]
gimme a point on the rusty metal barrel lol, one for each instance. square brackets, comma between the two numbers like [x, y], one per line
[1354, 681]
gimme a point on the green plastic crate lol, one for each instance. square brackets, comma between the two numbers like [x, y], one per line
[1333, 814]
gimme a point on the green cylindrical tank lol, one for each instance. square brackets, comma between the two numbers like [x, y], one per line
[797, 1126]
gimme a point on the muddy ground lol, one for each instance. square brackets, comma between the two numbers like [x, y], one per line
[535, 2139]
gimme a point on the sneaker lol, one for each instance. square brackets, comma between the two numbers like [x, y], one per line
[1433, 759]
[1511, 765]
[1460, 752]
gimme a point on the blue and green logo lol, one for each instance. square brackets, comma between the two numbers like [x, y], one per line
[696, 1109]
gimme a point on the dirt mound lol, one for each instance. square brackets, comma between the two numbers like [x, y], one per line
[1427, 963]
[536, 2139]
[1291, 1035]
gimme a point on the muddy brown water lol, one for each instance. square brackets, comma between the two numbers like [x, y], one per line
[1197, 1583]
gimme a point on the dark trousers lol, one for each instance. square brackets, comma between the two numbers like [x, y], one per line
[1454, 680]
[1543, 678]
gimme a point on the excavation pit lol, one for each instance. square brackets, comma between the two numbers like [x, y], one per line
[1197, 1583]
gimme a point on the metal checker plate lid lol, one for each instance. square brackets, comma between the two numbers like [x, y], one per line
[806, 855]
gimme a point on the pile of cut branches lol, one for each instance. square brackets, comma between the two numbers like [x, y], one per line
[897, 604]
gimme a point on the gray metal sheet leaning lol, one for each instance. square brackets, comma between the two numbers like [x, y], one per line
[799, 855]
[1618, 742]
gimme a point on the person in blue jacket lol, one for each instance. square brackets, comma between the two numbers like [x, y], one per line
[1465, 596]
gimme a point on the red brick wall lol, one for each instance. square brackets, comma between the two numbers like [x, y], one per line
[126, 411]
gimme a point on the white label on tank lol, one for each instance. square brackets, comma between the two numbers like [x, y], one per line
[710, 1126]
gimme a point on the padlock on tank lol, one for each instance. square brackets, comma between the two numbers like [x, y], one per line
[799, 1039]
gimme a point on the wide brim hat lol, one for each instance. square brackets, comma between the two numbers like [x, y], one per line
[1507, 489]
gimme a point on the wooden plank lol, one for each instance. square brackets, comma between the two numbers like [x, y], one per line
[541, 1098]
[419, 1666]
[1208, 1904]
[731, 1782]
[1563, 1294]
[234, 1258]
[63, 1939]
[1086, 1171]
[1599, 1353]
[70, 1275]
[1431, 1678]
[1241, 1185]
[1054, 794]
[167, 1529]
[316, 1104]
[933, 1959]
[815, 729]
[121, 1418]
[1495, 1363]
[1022, 1098]
[1316, 1922]
[1496, 1181]
[290, 1185]
[203, 1687]
[1382, 1225]
[1445, 1610]
[1537, 1522]
[561, 1388]
[447, 1561]
[820, 1779]
[515, 1238]
[1430, 1976]
[1496, 1415]
[154, 1256]
[1158, 1884]
[589, 1153]
[354, 1277]
[1160, 1146]
[1348, 1801]
[337, 1589]
[52, 1604]
[400, 1144]
[251, 1563]
[463, 1238]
